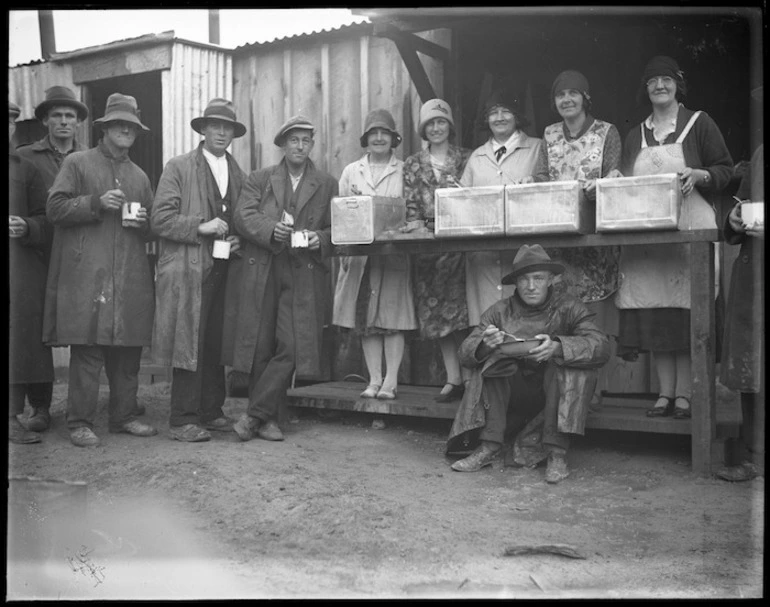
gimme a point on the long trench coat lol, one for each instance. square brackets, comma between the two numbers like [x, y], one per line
[584, 349]
[183, 202]
[391, 305]
[742, 365]
[42, 154]
[29, 361]
[257, 212]
[99, 289]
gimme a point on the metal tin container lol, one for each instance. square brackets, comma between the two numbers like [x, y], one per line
[551, 207]
[361, 219]
[469, 212]
[644, 202]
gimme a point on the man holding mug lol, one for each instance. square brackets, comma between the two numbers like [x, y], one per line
[99, 295]
[192, 215]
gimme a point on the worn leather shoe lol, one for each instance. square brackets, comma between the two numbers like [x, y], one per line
[189, 433]
[482, 456]
[39, 421]
[137, 428]
[84, 437]
[220, 424]
[246, 426]
[744, 471]
[18, 434]
[556, 470]
[270, 431]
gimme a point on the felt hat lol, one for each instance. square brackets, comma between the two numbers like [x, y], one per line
[380, 119]
[220, 109]
[60, 95]
[507, 99]
[121, 107]
[661, 65]
[434, 108]
[13, 110]
[570, 79]
[295, 122]
[531, 259]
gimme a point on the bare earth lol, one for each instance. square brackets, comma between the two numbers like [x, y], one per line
[343, 510]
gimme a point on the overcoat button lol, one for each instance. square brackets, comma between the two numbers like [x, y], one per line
[745, 259]
[194, 261]
[252, 261]
[310, 266]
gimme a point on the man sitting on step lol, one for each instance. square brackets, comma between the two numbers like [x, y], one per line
[538, 393]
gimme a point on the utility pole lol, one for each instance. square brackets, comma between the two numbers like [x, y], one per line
[214, 25]
[47, 36]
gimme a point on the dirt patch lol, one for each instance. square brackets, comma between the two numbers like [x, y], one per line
[342, 510]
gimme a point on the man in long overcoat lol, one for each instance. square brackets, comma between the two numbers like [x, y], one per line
[61, 113]
[192, 210]
[278, 296]
[541, 394]
[30, 364]
[99, 294]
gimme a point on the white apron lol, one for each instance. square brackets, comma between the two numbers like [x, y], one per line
[658, 276]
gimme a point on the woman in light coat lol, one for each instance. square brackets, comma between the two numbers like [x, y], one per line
[373, 295]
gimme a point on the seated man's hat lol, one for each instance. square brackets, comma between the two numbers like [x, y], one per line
[531, 259]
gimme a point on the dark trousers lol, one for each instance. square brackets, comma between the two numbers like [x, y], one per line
[750, 444]
[274, 360]
[121, 364]
[515, 400]
[197, 396]
[39, 396]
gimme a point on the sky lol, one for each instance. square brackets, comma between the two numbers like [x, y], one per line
[79, 28]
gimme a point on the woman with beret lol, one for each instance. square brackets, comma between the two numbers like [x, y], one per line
[439, 280]
[507, 157]
[374, 294]
[654, 294]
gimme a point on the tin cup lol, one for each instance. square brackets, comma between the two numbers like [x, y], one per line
[753, 214]
[221, 249]
[129, 214]
[300, 240]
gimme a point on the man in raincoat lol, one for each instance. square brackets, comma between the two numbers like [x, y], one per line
[537, 393]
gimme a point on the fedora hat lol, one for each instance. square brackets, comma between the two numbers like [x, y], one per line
[295, 122]
[531, 259]
[60, 95]
[380, 119]
[121, 107]
[219, 109]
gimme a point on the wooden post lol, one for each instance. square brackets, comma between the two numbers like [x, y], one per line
[702, 345]
[214, 25]
[47, 34]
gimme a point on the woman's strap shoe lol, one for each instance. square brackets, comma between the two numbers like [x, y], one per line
[665, 411]
[385, 394]
[371, 391]
[683, 412]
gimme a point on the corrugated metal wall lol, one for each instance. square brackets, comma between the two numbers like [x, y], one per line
[27, 85]
[335, 84]
[197, 75]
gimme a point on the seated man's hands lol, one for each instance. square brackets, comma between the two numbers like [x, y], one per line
[492, 337]
[547, 349]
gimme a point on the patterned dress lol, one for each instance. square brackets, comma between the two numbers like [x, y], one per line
[439, 280]
[591, 272]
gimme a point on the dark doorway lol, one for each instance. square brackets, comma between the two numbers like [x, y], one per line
[147, 152]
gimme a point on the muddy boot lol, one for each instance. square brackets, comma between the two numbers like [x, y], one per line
[18, 434]
[556, 470]
[39, 421]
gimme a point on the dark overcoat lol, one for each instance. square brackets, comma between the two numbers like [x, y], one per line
[183, 201]
[43, 155]
[742, 363]
[255, 216]
[29, 361]
[99, 289]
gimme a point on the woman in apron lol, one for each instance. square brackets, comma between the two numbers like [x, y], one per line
[654, 293]
[373, 295]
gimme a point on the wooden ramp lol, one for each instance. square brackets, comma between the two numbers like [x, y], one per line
[616, 413]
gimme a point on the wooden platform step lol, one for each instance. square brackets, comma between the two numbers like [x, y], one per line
[616, 413]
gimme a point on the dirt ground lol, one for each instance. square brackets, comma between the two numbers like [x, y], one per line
[342, 510]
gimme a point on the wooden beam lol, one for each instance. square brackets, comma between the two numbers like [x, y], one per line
[413, 65]
[421, 45]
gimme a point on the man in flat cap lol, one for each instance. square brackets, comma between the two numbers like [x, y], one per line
[537, 392]
[99, 295]
[62, 114]
[30, 364]
[277, 299]
[192, 215]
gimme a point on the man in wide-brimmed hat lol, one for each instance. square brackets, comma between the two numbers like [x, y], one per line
[99, 294]
[62, 114]
[539, 392]
[192, 214]
[277, 299]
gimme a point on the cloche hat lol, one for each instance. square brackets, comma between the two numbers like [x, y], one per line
[434, 108]
[220, 109]
[121, 107]
[295, 122]
[60, 95]
[380, 119]
[531, 259]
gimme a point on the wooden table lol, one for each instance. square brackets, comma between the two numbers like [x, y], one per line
[705, 446]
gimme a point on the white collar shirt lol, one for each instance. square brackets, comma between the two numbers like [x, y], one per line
[218, 165]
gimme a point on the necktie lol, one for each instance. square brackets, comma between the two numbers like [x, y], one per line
[499, 153]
